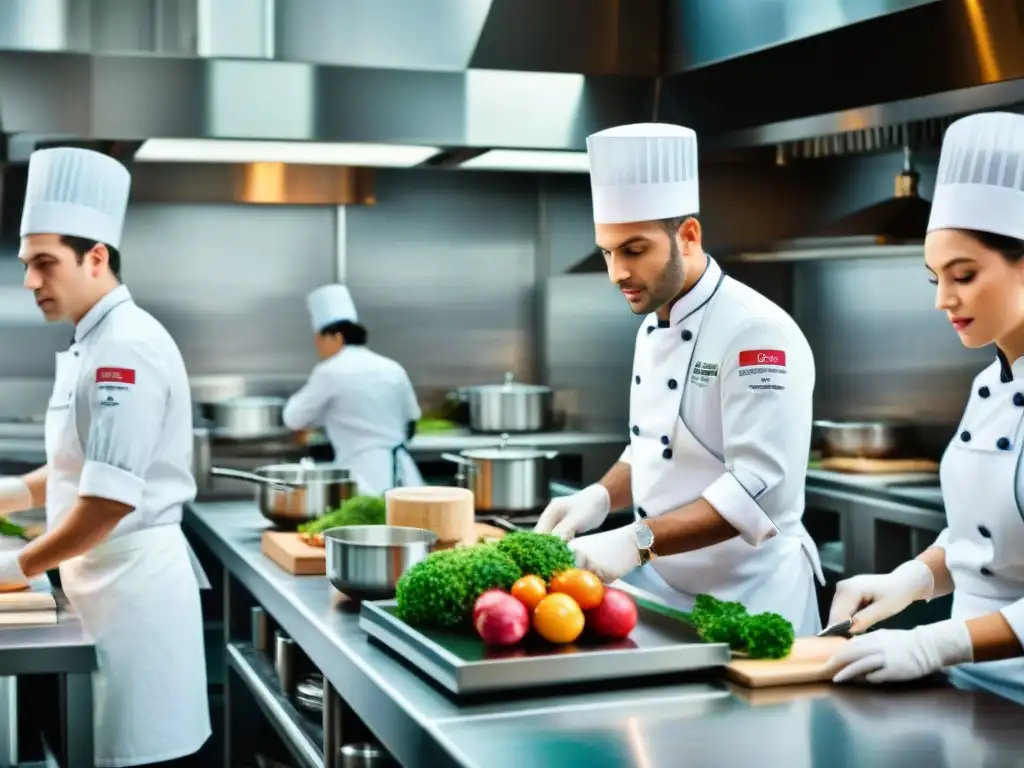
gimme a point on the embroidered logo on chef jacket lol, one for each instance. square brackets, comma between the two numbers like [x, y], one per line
[112, 384]
[765, 369]
[703, 373]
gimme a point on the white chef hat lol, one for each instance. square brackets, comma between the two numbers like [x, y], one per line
[643, 172]
[76, 192]
[980, 181]
[330, 304]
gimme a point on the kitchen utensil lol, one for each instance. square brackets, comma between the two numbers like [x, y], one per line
[865, 439]
[806, 663]
[508, 407]
[446, 511]
[309, 693]
[289, 551]
[840, 628]
[260, 629]
[365, 561]
[290, 494]
[245, 417]
[284, 662]
[505, 478]
[364, 755]
[878, 466]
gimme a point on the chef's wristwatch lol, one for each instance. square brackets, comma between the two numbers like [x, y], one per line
[644, 538]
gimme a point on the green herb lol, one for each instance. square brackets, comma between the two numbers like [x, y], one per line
[359, 510]
[760, 636]
[12, 530]
[537, 553]
[440, 590]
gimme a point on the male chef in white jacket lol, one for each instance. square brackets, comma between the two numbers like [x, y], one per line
[364, 401]
[117, 472]
[720, 406]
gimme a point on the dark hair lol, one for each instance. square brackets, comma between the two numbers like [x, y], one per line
[354, 334]
[82, 245]
[1010, 248]
[672, 225]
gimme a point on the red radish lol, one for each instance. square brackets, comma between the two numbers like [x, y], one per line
[490, 597]
[502, 620]
[614, 617]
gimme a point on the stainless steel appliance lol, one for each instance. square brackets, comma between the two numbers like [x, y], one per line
[290, 494]
[508, 407]
[366, 561]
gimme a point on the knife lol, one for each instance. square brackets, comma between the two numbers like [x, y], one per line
[841, 628]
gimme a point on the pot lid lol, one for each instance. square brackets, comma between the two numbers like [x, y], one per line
[510, 386]
[505, 454]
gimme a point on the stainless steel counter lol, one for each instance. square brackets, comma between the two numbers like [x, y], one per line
[698, 719]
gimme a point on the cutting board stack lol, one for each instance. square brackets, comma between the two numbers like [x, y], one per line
[20, 606]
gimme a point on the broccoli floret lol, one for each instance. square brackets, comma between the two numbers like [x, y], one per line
[537, 553]
[767, 636]
[760, 636]
[440, 590]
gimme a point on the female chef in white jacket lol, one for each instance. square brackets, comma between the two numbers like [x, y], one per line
[364, 401]
[974, 252]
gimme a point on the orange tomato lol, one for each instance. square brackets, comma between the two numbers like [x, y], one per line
[529, 590]
[582, 586]
[558, 619]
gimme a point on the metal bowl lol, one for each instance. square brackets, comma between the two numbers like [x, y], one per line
[865, 439]
[365, 562]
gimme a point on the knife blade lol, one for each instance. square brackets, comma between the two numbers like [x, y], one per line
[840, 628]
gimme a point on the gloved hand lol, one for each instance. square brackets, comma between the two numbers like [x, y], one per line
[10, 568]
[610, 555]
[578, 513]
[14, 495]
[891, 655]
[872, 598]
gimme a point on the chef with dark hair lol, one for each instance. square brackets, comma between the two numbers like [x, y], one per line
[363, 400]
[974, 254]
[719, 410]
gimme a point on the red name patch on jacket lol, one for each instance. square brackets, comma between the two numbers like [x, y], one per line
[776, 357]
[115, 375]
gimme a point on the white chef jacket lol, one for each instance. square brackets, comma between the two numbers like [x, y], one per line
[721, 408]
[365, 402]
[983, 494]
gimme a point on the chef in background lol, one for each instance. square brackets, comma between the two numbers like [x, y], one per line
[363, 400]
[720, 406]
[118, 469]
[974, 254]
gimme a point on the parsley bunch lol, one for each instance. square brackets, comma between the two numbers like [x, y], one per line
[761, 636]
[537, 553]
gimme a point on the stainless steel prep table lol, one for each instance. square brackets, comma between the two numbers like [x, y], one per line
[64, 649]
[649, 726]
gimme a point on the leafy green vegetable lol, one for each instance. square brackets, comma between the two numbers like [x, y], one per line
[440, 590]
[760, 636]
[359, 510]
[537, 553]
[12, 530]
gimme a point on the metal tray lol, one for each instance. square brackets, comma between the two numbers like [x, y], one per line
[661, 643]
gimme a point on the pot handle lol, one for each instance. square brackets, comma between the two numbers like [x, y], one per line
[251, 477]
[466, 468]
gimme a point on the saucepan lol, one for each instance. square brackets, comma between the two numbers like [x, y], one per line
[246, 418]
[290, 494]
[505, 478]
[365, 562]
[866, 439]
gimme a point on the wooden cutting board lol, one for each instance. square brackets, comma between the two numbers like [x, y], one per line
[25, 600]
[288, 550]
[806, 663]
[878, 466]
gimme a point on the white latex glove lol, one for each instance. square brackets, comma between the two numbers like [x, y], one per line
[872, 598]
[610, 555]
[892, 655]
[10, 568]
[14, 495]
[578, 513]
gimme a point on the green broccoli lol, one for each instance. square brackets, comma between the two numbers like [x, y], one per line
[537, 553]
[440, 590]
[760, 636]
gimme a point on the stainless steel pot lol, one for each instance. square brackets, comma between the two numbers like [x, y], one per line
[505, 478]
[365, 561]
[508, 407]
[865, 439]
[289, 494]
[245, 418]
[364, 755]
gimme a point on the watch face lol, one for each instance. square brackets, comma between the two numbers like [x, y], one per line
[644, 536]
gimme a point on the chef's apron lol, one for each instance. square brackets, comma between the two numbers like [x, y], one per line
[670, 468]
[981, 496]
[138, 597]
